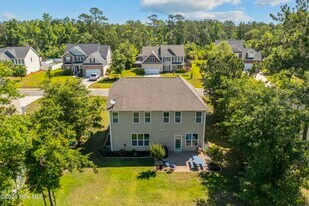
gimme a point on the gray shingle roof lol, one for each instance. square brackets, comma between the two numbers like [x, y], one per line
[155, 94]
[238, 47]
[177, 50]
[88, 49]
[16, 52]
[98, 59]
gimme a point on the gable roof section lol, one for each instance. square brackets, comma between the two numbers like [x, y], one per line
[238, 43]
[152, 54]
[16, 52]
[87, 49]
[98, 59]
[77, 51]
[257, 54]
[150, 94]
[175, 50]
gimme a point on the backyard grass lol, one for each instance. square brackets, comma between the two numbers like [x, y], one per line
[127, 185]
[108, 81]
[194, 76]
[34, 80]
[33, 107]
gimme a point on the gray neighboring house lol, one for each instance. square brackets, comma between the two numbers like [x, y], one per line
[161, 110]
[88, 58]
[164, 58]
[25, 56]
[248, 55]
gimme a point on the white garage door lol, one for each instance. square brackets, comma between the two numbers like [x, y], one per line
[90, 71]
[152, 70]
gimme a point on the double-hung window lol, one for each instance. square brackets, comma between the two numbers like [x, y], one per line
[115, 117]
[198, 117]
[147, 117]
[140, 140]
[191, 139]
[166, 117]
[177, 117]
[135, 117]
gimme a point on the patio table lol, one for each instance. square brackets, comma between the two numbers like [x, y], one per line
[198, 161]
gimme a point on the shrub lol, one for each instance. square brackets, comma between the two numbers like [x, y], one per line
[122, 153]
[139, 71]
[215, 154]
[180, 70]
[157, 151]
[105, 151]
[67, 72]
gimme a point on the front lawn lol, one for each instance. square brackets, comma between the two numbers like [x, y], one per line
[34, 80]
[194, 76]
[107, 82]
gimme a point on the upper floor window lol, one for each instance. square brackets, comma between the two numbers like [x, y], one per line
[147, 116]
[22, 61]
[115, 117]
[152, 59]
[166, 117]
[198, 117]
[92, 60]
[177, 117]
[19, 62]
[250, 54]
[31, 59]
[135, 117]
[67, 59]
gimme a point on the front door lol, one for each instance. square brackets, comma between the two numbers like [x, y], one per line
[177, 143]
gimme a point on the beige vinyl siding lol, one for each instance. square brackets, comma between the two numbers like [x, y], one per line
[157, 130]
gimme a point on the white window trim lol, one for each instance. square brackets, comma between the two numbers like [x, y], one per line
[137, 139]
[145, 118]
[169, 118]
[113, 118]
[201, 118]
[175, 118]
[192, 139]
[139, 118]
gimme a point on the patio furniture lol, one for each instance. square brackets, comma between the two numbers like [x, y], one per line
[168, 164]
[191, 164]
[199, 161]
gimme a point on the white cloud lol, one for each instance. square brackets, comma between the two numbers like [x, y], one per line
[271, 2]
[8, 16]
[236, 16]
[178, 6]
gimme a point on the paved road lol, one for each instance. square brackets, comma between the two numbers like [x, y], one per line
[39, 93]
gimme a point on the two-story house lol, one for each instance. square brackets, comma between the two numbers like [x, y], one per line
[87, 59]
[25, 56]
[161, 110]
[248, 55]
[164, 58]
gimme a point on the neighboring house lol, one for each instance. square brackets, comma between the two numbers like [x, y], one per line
[87, 58]
[25, 56]
[164, 58]
[161, 110]
[248, 55]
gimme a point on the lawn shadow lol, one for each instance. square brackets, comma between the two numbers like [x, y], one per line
[108, 80]
[146, 175]
[138, 71]
[122, 162]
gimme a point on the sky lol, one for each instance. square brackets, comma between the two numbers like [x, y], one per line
[119, 11]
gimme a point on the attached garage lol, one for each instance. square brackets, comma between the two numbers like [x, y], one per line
[152, 70]
[88, 72]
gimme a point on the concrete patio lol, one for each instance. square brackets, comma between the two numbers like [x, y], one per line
[181, 159]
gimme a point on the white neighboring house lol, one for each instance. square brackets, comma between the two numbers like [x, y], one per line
[88, 58]
[25, 56]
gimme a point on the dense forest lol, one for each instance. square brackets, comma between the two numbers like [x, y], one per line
[286, 39]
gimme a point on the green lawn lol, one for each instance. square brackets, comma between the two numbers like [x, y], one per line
[194, 76]
[127, 185]
[34, 106]
[108, 81]
[34, 80]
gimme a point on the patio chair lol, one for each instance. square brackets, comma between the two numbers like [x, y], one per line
[168, 164]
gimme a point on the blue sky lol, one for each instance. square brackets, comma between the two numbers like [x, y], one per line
[119, 11]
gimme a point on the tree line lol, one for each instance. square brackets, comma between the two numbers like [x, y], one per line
[284, 45]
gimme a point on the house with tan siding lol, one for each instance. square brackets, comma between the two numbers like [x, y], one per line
[164, 58]
[87, 59]
[161, 110]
